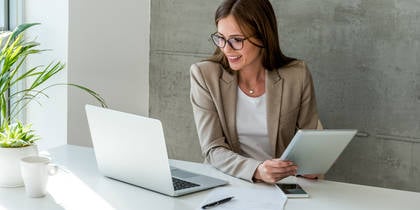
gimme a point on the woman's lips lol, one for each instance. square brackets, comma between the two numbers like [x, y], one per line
[233, 59]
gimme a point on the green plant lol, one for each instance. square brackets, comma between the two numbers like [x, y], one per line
[14, 52]
[17, 135]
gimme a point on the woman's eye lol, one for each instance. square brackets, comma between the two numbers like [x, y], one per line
[237, 39]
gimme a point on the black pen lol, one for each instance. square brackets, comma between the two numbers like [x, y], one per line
[224, 200]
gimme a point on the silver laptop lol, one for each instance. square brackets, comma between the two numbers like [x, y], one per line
[132, 149]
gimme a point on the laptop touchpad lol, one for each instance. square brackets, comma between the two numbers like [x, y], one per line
[181, 173]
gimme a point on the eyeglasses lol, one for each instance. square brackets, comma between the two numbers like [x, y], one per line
[235, 43]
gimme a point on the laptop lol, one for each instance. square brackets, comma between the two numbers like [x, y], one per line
[315, 151]
[132, 149]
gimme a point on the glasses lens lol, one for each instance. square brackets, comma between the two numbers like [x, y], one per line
[218, 40]
[236, 43]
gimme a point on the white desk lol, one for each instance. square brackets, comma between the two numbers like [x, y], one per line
[83, 187]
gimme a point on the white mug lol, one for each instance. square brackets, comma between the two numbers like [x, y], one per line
[35, 171]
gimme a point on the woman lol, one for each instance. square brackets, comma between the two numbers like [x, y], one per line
[248, 98]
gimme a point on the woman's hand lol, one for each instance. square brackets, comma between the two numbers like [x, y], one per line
[271, 171]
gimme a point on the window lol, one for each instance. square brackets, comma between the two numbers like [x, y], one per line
[4, 17]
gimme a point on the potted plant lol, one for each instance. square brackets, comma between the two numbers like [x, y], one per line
[17, 139]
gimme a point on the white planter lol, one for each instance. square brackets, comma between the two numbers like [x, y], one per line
[10, 175]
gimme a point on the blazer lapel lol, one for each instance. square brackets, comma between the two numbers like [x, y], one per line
[274, 89]
[228, 90]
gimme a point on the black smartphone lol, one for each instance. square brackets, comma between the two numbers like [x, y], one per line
[293, 190]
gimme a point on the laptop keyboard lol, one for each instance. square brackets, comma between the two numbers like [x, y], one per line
[181, 184]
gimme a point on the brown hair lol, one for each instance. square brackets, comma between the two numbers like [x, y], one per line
[257, 18]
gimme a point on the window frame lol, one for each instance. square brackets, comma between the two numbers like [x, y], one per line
[13, 16]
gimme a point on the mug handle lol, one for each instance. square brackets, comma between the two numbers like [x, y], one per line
[52, 169]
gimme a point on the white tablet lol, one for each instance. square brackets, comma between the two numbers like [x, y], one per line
[314, 151]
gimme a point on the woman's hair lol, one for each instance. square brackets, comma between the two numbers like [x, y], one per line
[256, 18]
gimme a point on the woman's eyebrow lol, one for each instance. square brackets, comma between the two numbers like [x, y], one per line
[232, 35]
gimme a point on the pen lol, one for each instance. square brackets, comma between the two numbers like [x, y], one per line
[224, 200]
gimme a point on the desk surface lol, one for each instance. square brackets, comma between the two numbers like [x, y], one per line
[80, 186]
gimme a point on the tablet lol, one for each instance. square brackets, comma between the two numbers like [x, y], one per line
[314, 151]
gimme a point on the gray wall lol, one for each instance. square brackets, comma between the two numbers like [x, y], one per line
[364, 59]
[113, 61]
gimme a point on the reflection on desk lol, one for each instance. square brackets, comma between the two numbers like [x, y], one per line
[79, 185]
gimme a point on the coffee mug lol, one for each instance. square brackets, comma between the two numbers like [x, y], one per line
[35, 171]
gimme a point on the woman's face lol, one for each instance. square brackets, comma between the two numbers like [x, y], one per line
[247, 57]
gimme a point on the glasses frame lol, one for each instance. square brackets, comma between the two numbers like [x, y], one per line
[229, 41]
[230, 44]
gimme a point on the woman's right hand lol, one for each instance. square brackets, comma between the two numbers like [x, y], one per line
[271, 171]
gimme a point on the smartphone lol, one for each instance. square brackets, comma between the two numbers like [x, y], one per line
[293, 190]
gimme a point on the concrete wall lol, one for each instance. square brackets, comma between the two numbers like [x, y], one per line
[177, 41]
[364, 59]
[109, 53]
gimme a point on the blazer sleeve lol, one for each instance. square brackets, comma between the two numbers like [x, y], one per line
[213, 142]
[308, 115]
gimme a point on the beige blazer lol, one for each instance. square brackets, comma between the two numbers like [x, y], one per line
[291, 105]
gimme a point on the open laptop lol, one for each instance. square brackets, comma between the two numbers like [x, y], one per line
[132, 149]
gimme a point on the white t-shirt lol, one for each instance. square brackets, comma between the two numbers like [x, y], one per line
[251, 125]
